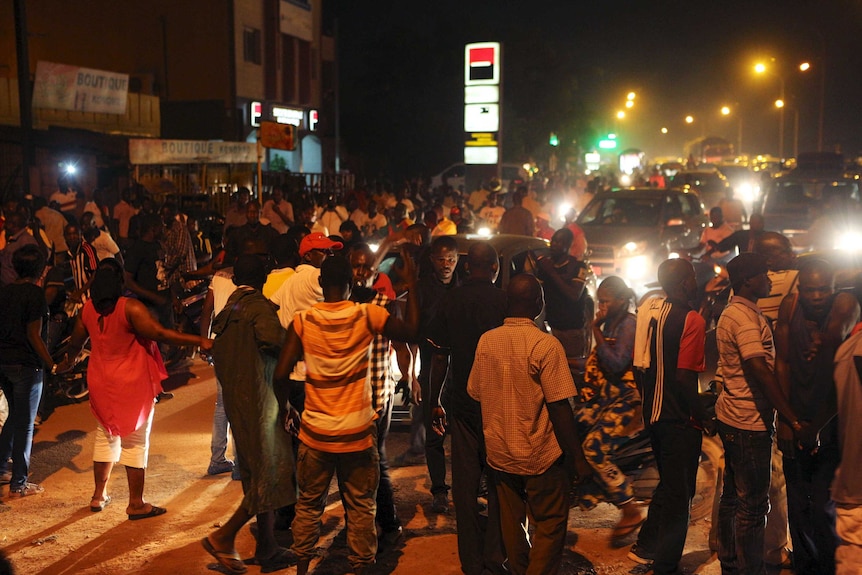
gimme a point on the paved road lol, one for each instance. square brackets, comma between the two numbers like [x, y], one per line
[55, 533]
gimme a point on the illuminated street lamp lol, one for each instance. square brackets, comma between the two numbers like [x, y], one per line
[630, 96]
[689, 119]
[664, 130]
[621, 115]
[761, 68]
[727, 111]
[805, 67]
[630, 103]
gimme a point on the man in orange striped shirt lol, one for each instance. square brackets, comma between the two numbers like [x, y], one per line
[337, 431]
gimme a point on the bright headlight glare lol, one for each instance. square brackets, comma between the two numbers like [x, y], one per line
[632, 249]
[374, 247]
[486, 232]
[626, 180]
[746, 192]
[563, 209]
[850, 241]
[636, 268]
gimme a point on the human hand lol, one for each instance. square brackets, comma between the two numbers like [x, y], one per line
[76, 297]
[403, 387]
[438, 420]
[206, 345]
[409, 268]
[545, 265]
[292, 420]
[65, 365]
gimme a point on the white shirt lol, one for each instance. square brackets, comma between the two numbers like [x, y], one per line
[105, 246]
[268, 213]
[298, 293]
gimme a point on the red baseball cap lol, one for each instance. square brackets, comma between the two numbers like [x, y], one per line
[317, 241]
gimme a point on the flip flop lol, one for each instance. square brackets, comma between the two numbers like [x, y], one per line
[623, 531]
[102, 504]
[281, 559]
[152, 513]
[229, 560]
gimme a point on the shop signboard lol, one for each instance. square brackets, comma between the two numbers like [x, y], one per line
[65, 87]
[191, 152]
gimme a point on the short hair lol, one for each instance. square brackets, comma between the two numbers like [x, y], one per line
[106, 289]
[284, 249]
[444, 243]
[28, 261]
[150, 222]
[482, 255]
[250, 270]
[618, 288]
[813, 265]
[671, 273]
[336, 272]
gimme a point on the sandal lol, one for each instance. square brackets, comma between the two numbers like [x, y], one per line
[229, 560]
[100, 504]
[281, 559]
[153, 512]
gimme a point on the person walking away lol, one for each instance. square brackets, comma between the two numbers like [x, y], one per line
[673, 415]
[248, 340]
[465, 313]
[518, 220]
[337, 430]
[745, 410]
[812, 323]
[16, 237]
[523, 384]
[607, 405]
[23, 360]
[847, 486]
[124, 374]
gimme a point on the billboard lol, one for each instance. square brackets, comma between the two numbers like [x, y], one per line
[64, 87]
[482, 104]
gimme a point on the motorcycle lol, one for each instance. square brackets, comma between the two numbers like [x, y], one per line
[63, 388]
[187, 319]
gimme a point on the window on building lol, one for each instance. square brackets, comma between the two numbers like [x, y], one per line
[304, 66]
[251, 45]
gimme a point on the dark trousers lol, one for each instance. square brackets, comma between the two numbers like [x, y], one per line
[545, 498]
[22, 386]
[677, 452]
[387, 516]
[811, 511]
[435, 454]
[744, 500]
[480, 546]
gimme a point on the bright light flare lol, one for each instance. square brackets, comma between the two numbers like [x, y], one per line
[689, 119]
[484, 232]
[563, 209]
[71, 169]
[725, 110]
[621, 115]
[664, 130]
[630, 104]
[760, 68]
[630, 96]
[779, 103]
[804, 67]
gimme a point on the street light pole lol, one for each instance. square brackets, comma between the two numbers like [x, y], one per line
[781, 121]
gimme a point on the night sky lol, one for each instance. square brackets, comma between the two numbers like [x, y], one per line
[567, 66]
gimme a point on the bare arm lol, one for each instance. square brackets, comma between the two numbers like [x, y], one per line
[34, 336]
[687, 381]
[563, 421]
[782, 367]
[757, 373]
[437, 379]
[401, 330]
[140, 291]
[290, 355]
[145, 325]
[207, 313]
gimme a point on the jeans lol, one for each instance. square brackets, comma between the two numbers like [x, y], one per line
[386, 512]
[744, 500]
[677, 451]
[811, 509]
[358, 473]
[22, 387]
[221, 428]
[545, 497]
[480, 546]
[435, 453]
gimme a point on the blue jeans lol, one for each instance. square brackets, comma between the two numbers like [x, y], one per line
[22, 387]
[744, 500]
[221, 427]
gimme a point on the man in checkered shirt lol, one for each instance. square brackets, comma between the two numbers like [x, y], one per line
[382, 385]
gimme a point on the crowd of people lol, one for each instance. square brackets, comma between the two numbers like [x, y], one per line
[302, 327]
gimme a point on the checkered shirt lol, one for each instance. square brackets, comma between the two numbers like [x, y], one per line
[379, 372]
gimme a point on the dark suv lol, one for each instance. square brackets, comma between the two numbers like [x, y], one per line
[630, 231]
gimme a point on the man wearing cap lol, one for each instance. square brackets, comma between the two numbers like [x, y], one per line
[745, 411]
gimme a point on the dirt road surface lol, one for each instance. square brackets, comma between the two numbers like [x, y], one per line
[56, 533]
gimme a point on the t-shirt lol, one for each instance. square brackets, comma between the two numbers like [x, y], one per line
[560, 311]
[68, 200]
[491, 215]
[145, 262]
[20, 304]
[336, 338]
[274, 280]
[716, 235]
[123, 213]
[268, 213]
[677, 336]
[743, 333]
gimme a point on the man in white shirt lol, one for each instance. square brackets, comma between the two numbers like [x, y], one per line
[717, 231]
[277, 211]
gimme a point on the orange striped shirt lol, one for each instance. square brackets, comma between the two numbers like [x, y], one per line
[336, 340]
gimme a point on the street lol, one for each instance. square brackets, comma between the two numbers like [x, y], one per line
[55, 532]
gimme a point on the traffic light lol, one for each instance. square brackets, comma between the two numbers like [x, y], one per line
[554, 140]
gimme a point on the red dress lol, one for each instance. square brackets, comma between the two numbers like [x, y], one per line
[125, 372]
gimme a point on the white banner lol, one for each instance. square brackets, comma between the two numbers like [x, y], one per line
[191, 152]
[64, 87]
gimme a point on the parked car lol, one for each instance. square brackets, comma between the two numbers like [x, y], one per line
[630, 231]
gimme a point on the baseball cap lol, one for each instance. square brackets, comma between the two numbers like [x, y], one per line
[746, 266]
[317, 241]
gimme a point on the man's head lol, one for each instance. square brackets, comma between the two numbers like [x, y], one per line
[242, 196]
[777, 250]
[492, 199]
[816, 287]
[430, 219]
[524, 297]
[483, 262]
[748, 275]
[169, 213]
[361, 260]
[716, 217]
[315, 248]
[519, 195]
[677, 279]
[561, 242]
[277, 194]
[444, 257]
[72, 235]
[28, 262]
[15, 222]
[151, 227]
[336, 277]
[455, 214]
[252, 213]
[87, 221]
[756, 223]
[249, 270]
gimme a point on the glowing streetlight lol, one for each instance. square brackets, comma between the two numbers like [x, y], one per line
[630, 96]
[804, 67]
[621, 115]
[725, 110]
[689, 119]
[664, 130]
[760, 68]
[779, 103]
[629, 104]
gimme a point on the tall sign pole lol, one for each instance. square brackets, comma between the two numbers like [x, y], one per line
[482, 117]
[25, 103]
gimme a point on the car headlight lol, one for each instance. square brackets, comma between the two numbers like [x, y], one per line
[484, 232]
[563, 209]
[633, 249]
[745, 192]
[635, 268]
[850, 241]
[626, 180]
